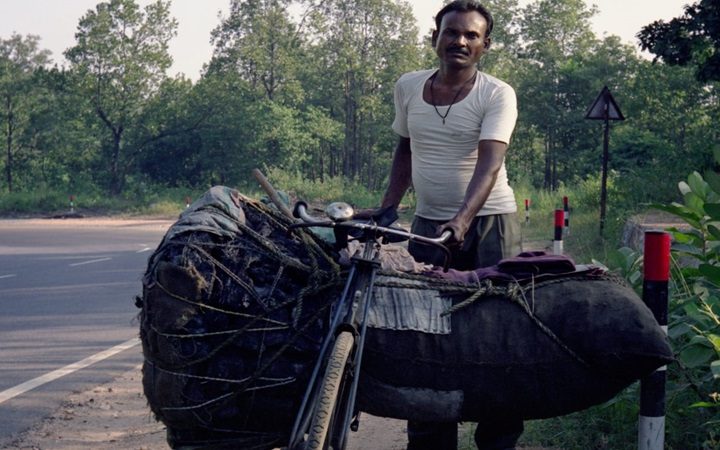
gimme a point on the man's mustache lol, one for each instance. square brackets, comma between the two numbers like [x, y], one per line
[456, 49]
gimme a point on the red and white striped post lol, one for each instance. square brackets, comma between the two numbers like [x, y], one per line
[566, 209]
[558, 242]
[656, 271]
[72, 204]
[187, 202]
[527, 211]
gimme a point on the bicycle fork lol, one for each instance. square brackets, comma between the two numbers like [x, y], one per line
[355, 301]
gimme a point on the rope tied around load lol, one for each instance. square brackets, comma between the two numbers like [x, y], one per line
[241, 277]
[486, 288]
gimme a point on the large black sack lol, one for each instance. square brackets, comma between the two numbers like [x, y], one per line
[551, 347]
[234, 310]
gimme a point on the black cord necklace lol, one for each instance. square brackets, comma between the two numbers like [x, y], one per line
[457, 94]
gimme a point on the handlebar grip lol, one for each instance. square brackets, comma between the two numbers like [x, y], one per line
[445, 236]
[300, 209]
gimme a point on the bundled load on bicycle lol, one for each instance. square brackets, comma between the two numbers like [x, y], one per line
[242, 307]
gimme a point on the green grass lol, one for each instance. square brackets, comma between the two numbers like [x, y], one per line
[156, 202]
[329, 190]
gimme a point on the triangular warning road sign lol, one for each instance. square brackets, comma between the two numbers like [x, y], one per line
[604, 107]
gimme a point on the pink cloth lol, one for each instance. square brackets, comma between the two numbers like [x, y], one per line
[526, 265]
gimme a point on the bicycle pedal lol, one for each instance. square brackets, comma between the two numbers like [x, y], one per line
[355, 424]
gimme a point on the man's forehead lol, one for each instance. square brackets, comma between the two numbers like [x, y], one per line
[453, 19]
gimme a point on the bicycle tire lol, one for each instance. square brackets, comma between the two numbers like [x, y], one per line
[327, 397]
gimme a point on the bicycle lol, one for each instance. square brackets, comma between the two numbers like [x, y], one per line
[328, 407]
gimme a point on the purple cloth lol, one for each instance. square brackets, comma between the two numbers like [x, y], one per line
[525, 265]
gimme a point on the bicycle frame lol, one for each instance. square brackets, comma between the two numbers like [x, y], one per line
[354, 304]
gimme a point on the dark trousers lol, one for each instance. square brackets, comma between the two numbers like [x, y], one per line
[500, 435]
[489, 239]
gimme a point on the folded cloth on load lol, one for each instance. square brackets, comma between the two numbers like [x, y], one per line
[524, 266]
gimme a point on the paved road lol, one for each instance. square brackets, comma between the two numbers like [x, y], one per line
[67, 293]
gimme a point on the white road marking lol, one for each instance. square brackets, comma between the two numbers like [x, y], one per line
[146, 249]
[92, 261]
[67, 258]
[74, 367]
[7, 276]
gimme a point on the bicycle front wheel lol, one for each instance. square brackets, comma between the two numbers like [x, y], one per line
[328, 394]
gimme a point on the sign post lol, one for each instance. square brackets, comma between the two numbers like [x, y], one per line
[604, 108]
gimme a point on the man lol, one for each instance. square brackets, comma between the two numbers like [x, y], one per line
[455, 124]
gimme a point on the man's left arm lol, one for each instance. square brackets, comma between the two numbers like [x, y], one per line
[490, 159]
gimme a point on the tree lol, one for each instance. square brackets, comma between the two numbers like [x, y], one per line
[19, 98]
[260, 42]
[556, 33]
[693, 38]
[66, 137]
[121, 55]
[358, 51]
[501, 60]
[606, 62]
[166, 140]
[669, 127]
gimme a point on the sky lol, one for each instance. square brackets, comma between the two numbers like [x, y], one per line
[55, 21]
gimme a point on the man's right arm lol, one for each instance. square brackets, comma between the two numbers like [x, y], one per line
[400, 174]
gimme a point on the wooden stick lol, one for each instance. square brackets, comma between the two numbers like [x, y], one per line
[272, 193]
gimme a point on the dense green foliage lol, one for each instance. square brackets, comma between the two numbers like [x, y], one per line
[311, 93]
[694, 318]
[692, 39]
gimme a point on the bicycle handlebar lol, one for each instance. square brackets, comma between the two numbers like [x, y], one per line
[343, 219]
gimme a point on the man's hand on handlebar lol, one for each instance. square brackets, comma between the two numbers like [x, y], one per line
[365, 214]
[457, 227]
[380, 216]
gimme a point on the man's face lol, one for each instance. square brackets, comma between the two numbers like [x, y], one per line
[461, 41]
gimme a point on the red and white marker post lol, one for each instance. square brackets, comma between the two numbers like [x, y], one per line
[72, 204]
[656, 271]
[187, 202]
[527, 211]
[558, 242]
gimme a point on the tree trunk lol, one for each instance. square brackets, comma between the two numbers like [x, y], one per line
[350, 127]
[556, 181]
[321, 164]
[547, 183]
[9, 162]
[115, 175]
[357, 151]
[270, 81]
[333, 164]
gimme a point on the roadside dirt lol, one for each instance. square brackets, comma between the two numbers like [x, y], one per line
[115, 416]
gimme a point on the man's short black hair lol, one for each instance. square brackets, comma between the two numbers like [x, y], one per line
[465, 6]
